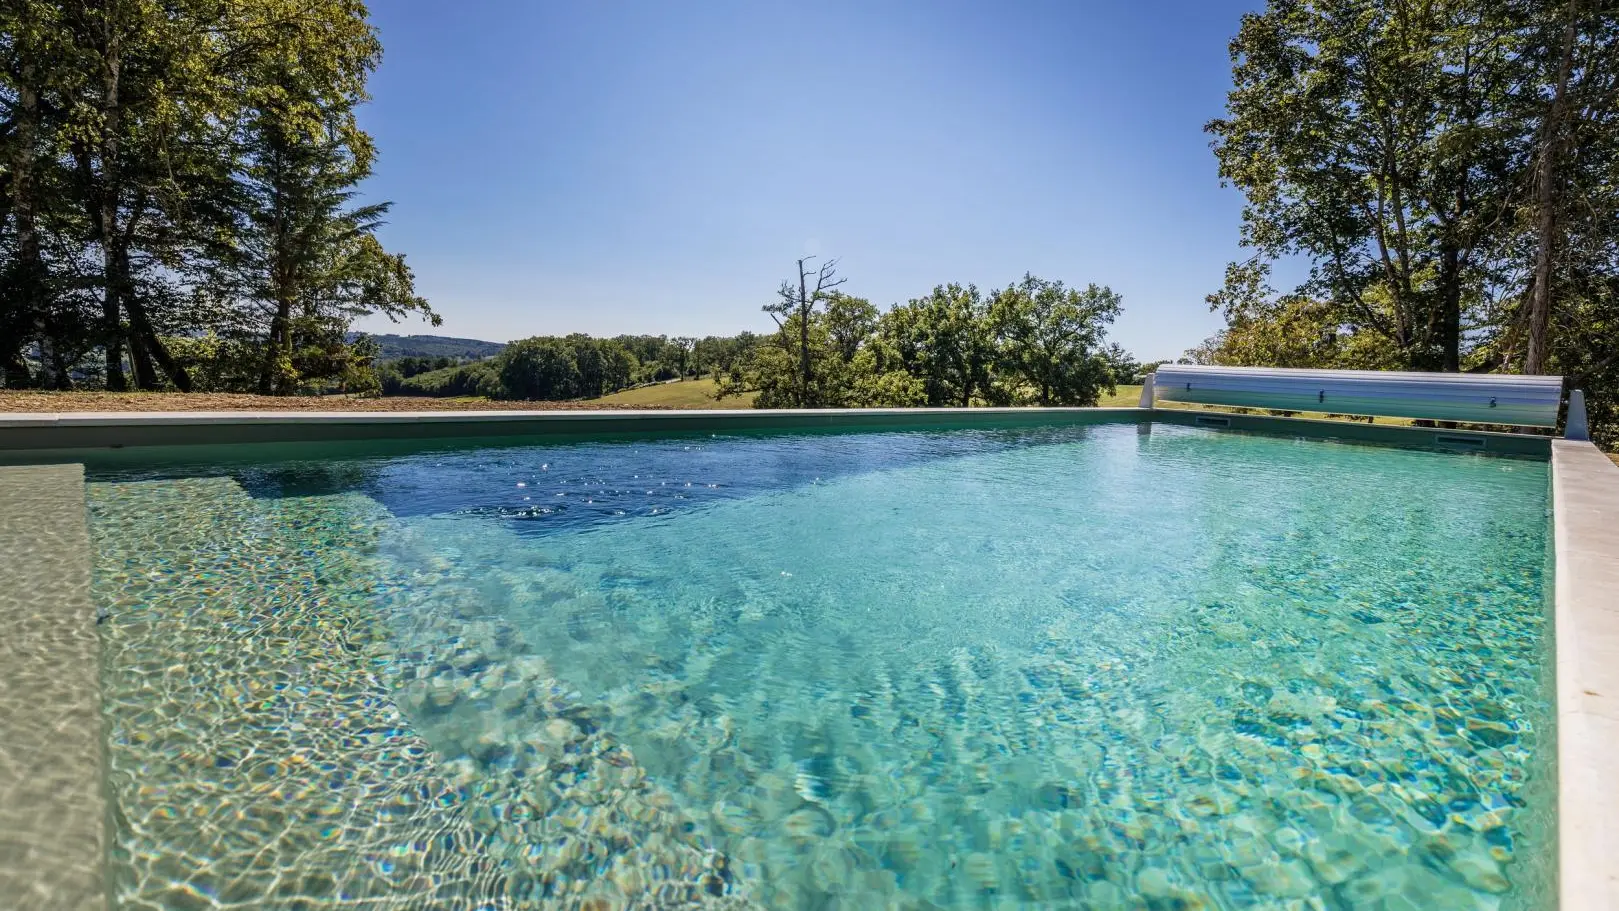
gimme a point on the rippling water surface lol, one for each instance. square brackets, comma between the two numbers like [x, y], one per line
[1077, 667]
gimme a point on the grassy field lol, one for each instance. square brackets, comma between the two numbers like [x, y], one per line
[1125, 397]
[683, 394]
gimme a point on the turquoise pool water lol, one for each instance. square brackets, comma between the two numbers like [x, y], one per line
[1076, 667]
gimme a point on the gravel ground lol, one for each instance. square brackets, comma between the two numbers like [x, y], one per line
[26, 401]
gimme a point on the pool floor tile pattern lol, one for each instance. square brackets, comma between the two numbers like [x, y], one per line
[225, 706]
[52, 803]
[251, 717]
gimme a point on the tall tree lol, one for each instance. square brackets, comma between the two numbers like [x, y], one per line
[295, 260]
[143, 81]
[1572, 101]
[1052, 339]
[303, 255]
[948, 340]
[1449, 170]
[148, 148]
[1360, 133]
[42, 279]
[794, 312]
[1553, 136]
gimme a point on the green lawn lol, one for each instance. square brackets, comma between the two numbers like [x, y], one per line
[684, 394]
[700, 394]
[1126, 397]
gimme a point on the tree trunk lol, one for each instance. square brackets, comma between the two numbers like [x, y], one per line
[121, 288]
[105, 192]
[803, 339]
[30, 288]
[112, 330]
[1450, 314]
[145, 339]
[64, 371]
[49, 359]
[141, 358]
[1540, 305]
[280, 345]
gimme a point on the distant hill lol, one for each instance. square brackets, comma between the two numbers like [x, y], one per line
[395, 347]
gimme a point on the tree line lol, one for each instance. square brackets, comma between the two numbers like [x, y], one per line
[177, 196]
[1449, 173]
[1034, 342]
[560, 368]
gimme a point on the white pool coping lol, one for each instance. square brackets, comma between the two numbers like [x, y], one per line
[1585, 517]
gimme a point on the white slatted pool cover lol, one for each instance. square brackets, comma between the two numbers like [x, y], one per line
[1530, 401]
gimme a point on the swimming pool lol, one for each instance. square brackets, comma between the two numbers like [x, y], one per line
[1101, 666]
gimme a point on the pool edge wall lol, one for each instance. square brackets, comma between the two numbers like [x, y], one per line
[65, 433]
[53, 807]
[1489, 442]
[1585, 527]
[61, 436]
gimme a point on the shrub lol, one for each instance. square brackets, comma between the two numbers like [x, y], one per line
[475, 379]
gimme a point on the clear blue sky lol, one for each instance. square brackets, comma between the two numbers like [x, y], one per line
[610, 167]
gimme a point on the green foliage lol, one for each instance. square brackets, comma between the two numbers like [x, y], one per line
[678, 394]
[411, 366]
[801, 339]
[1035, 342]
[1122, 367]
[1359, 133]
[660, 358]
[480, 379]
[1585, 348]
[1292, 331]
[398, 347]
[185, 170]
[947, 341]
[391, 375]
[1587, 351]
[716, 354]
[557, 369]
[1450, 173]
[1051, 340]
[217, 364]
[539, 369]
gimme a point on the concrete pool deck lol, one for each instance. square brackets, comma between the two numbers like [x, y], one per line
[52, 840]
[1585, 515]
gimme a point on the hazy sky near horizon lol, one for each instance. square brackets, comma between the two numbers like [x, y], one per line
[655, 167]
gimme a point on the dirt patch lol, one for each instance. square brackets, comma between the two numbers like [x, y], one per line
[12, 402]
